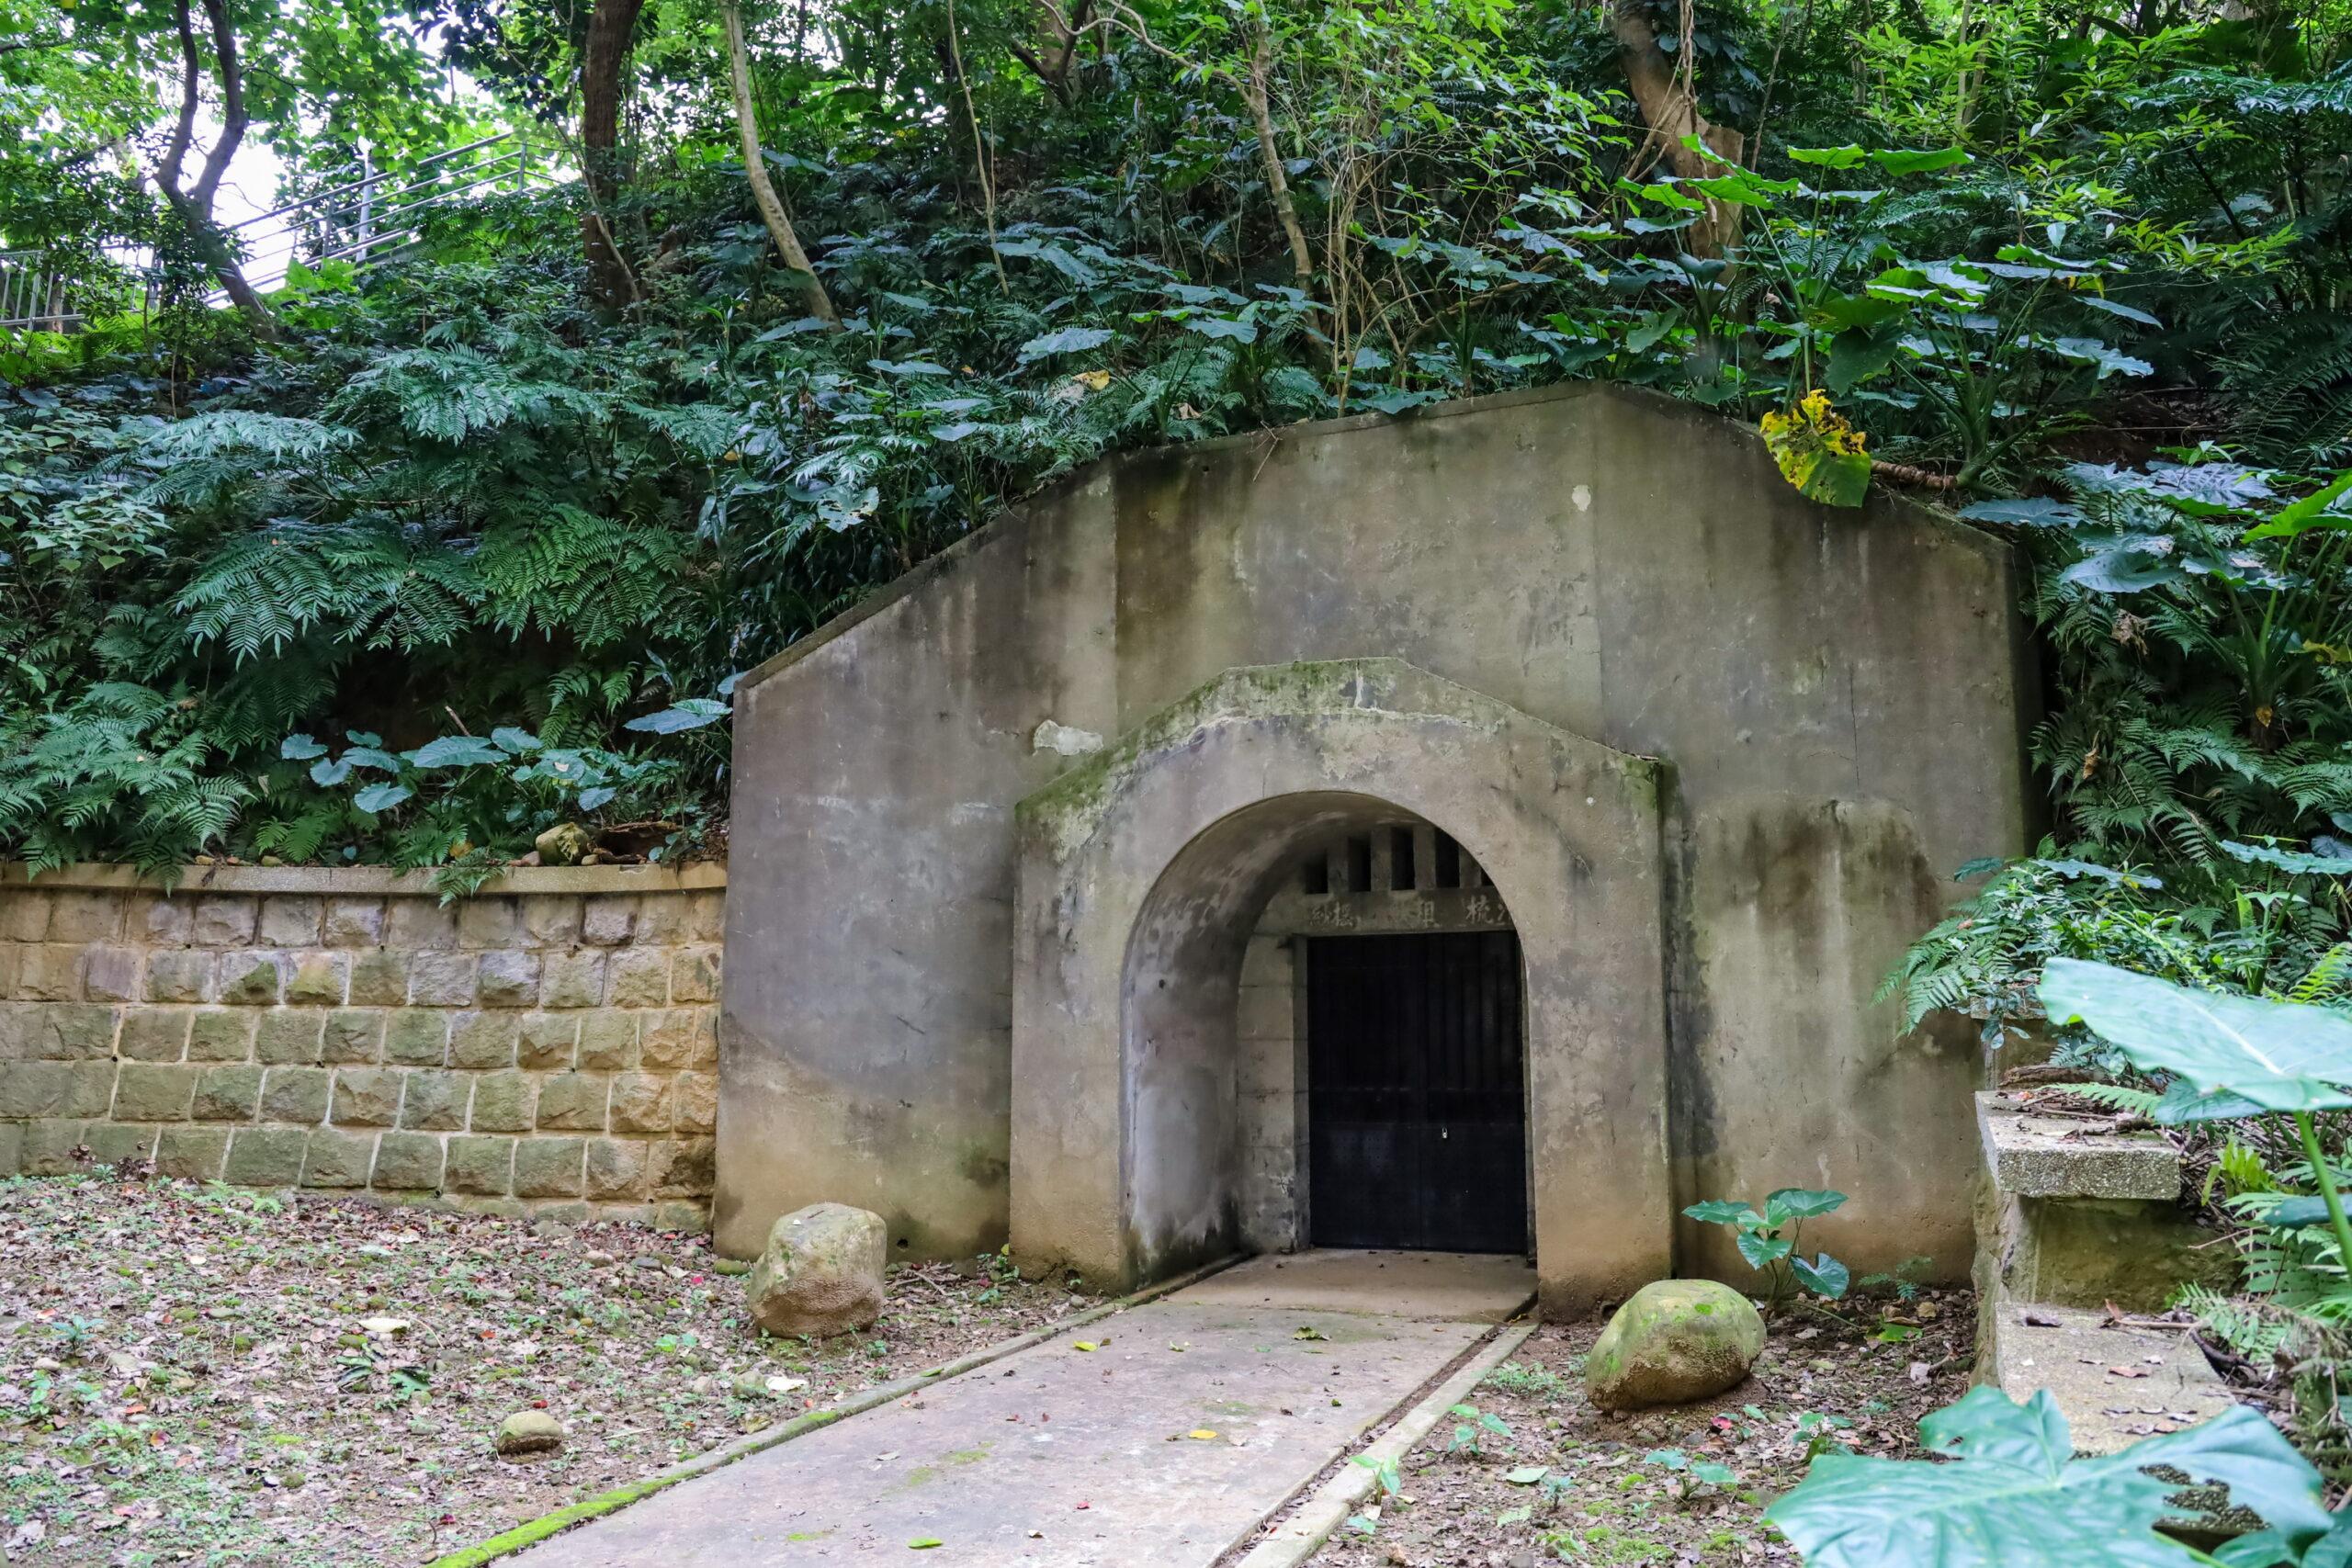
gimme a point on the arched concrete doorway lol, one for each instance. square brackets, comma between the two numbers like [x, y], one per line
[1140, 1127]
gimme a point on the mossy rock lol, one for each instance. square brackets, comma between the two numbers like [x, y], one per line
[1676, 1341]
[820, 1273]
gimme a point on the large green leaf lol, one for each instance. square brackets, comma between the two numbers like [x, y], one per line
[2278, 1055]
[1801, 1204]
[2012, 1495]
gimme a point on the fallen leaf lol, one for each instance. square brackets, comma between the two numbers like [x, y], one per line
[1202, 1435]
[924, 1543]
[1527, 1475]
[2127, 1372]
[1086, 1345]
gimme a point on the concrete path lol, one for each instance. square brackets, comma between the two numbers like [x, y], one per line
[1196, 1417]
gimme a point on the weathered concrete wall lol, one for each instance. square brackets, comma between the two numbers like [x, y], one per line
[1838, 692]
[1142, 875]
[549, 1045]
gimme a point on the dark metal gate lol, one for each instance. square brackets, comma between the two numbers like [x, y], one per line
[1417, 1104]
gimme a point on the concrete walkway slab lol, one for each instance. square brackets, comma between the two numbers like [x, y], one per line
[1193, 1418]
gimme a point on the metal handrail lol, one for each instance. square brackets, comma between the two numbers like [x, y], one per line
[343, 222]
[317, 197]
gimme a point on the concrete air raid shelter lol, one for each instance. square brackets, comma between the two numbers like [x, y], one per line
[1484, 831]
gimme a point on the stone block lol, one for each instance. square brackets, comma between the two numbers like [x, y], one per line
[291, 919]
[663, 919]
[337, 1159]
[110, 974]
[225, 920]
[483, 1040]
[695, 1098]
[87, 915]
[29, 1089]
[21, 1027]
[640, 1103]
[549, 1168]
[154, 1091]
[417, 1037]
[490, 921]
[319, 979]
[421, 923]
[681, 1039]
[504, 1102]
[353, 922]
[162, 920]
[637, 977]
[608, 1041]
[24, 914]
[192, 1154]
[617, 1169]
[574, 1103]
[706, 916]
[53, 1148]
[572, 980]
[12, 1147]
[2050, 1156]
[683, 1167]
[50, 972]
[252, 977]
[607, 919]
[352, 1034]
[77, 1031]
[266, 1157]
[681, 1215]
[551, 920]
[694, 976]
[179, 975]
[548, 1039]
[442, 979]
[368, 1097]
[296, 1095]
[287, 1035]
[119, 1142]
[220, 1035]
[480, 1165]
[154, 1034]
[508, 978]
[227, 1094]
[379, 979]
[408, 1162]
[435, 1103]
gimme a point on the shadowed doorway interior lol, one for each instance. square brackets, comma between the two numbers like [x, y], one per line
[1417, 1101]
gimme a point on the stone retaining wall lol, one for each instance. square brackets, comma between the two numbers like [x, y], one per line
[548, 1045]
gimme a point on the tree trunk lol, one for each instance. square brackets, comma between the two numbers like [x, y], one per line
[193, 204]
[1258, 89]
[610, 28]
[1672, 113]
[772, 213]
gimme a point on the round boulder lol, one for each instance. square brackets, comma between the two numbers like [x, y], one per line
[528, 1432]
[820, 1273]
[1675, 1340]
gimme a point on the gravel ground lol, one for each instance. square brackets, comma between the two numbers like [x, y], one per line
[1562, 1482]
[194, 1374]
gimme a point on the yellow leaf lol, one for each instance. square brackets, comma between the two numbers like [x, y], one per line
[1086, 1345]
[1202, 1435]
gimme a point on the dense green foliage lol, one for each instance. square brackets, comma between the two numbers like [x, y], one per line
[458, 548]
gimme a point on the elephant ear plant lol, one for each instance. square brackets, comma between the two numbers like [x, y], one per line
[2009, 1494]
[2229, 1056]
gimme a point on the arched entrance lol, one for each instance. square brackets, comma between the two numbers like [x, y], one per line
[1153, 1122]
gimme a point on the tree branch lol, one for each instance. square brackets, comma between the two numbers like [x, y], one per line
[772, 213]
